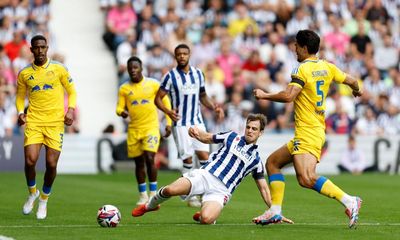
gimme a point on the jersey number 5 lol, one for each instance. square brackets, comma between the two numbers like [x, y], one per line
[320, 92]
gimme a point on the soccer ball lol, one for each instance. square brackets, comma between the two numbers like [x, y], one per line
[108, 216]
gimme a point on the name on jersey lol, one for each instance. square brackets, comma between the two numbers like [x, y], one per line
[321, 73]
[189, 89]
[241, 153]
[320, 112]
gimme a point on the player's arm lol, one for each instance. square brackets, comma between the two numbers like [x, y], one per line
[207, 102]
[287, 95]
[202, 136]
[20, 100]
[69, 87]
[167, 103]
[121, 104]
[161, 93]
[264, 190]
[353, 83]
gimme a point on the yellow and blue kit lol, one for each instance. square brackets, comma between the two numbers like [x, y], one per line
[314, 76]
[45, 87]
[143, 129]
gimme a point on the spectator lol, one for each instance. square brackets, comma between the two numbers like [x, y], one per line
[386, 56]
[353, 159]
[367, 124]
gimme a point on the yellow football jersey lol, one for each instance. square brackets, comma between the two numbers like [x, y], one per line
[45, 88]
[138, 99]
[314, 77]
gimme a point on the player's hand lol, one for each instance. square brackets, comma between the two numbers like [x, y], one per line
[21, 119]
[173, 114]
[287, 220]
[194, 132]
[357, 93]
[258, 93]
[220, 112]
[168, 131]
[124, 114]
[69, 117]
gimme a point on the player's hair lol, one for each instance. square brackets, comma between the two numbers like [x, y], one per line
[134, 59]
[182, 45]
[309, 39]
[38, 37]
[257, 117]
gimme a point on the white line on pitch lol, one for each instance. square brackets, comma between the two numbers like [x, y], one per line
[189, 224]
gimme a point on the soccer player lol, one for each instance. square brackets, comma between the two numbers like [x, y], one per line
[185, 85]
[136, 100]
[308, 89]
[217, 180]
[45, 81]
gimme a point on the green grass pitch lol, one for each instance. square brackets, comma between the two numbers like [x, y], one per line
[73, 206]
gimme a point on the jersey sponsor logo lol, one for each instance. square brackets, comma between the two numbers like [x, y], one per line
[31, 78]
[241, 153]
[144, 101]
[47, 87]
[35, 88]
[134, 102]
[189, 89]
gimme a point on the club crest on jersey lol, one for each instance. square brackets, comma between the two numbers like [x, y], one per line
[50, 74]
[130, 93]
[31, 78]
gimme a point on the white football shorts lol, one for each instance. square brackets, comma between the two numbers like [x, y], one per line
[207, 185]
[187, 145]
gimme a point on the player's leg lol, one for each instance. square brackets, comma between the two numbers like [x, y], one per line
[209, 213]
[305, 165]
[135, 152]
[31, 156]
[52, 157]
[201, 149]
[140, 174]
[150, 147]
[275, 162]
[151, 171]
[181, 186]
[184, 147]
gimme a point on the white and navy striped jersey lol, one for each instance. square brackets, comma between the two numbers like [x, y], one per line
[184, 90]
[234, 160]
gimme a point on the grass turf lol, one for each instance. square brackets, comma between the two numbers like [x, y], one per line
[73, 206]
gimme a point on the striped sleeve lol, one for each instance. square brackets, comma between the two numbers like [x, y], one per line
[202, 81]
[166, 82]
[220, 137]
[259, 171]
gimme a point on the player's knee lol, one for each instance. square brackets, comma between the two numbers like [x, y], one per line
[51, 164]
[207, 219]
[30, 160]
[168, 191]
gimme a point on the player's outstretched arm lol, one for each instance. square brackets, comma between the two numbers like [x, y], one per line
[288, 95]
[202, 136]
[353, 83]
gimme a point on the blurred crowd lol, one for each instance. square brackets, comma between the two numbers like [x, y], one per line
[20, 20]
[245, 44]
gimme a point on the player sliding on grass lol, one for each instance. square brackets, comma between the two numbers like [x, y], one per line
[308, 89]
[216, 181]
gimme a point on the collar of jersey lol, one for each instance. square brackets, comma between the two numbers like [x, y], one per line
[311, 59]
[180, 70]
[35, 67]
